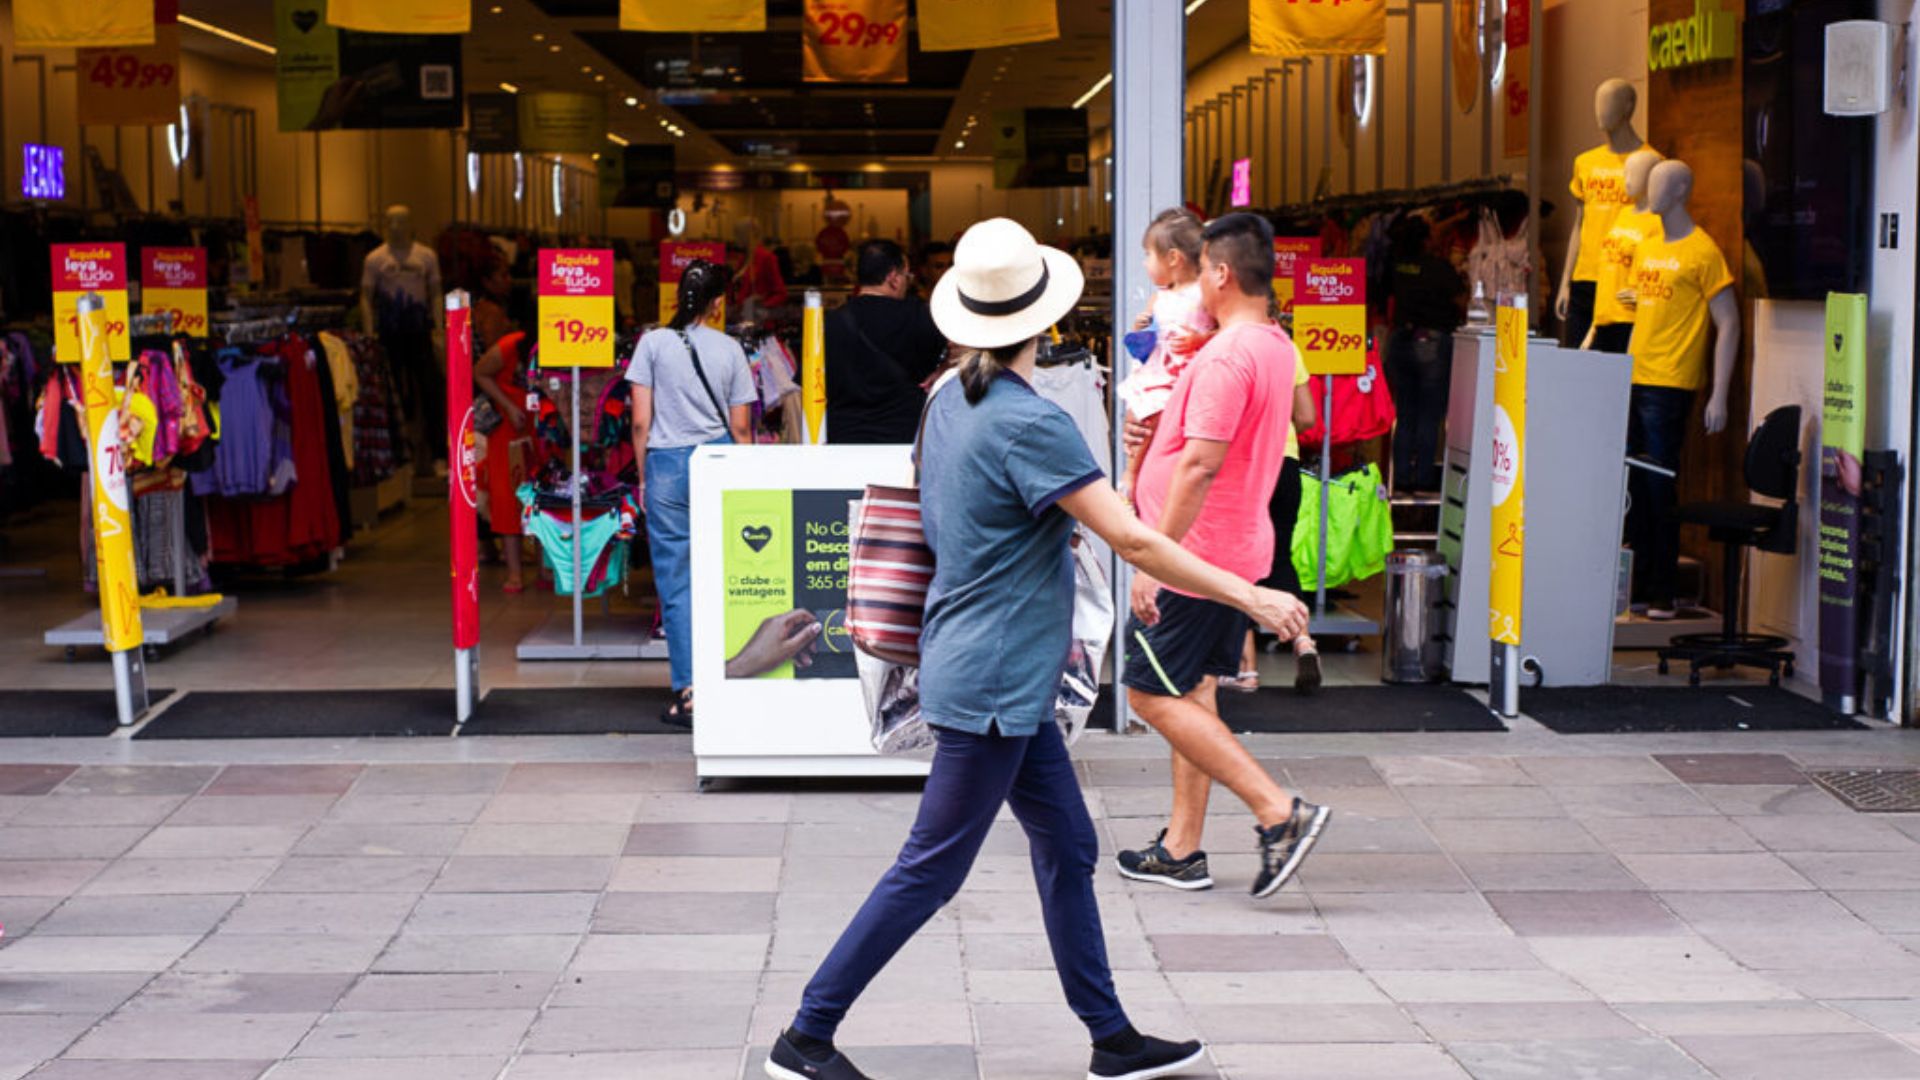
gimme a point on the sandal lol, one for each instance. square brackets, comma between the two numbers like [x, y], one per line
[1244, 683]
[1306, 672]
[679, 712]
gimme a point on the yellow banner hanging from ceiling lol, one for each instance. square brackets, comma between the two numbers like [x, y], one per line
[1466, 54]
[694, 16]
[64, 24]
[856, 41]
[1316, 27]
[946, 25]
[402, 16]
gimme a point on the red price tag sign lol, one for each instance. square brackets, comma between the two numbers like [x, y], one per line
[1330, 315]
[79, 269]
[675, 257]
[174, 279]
[1287, 252]
[131, 85]
[576, 307]
[856, 41]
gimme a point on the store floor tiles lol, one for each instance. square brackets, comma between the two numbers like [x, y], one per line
[1489, 905]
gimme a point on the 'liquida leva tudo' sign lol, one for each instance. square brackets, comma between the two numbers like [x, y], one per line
[1709, 34]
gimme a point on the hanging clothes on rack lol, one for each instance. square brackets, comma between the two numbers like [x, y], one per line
[1359, 527]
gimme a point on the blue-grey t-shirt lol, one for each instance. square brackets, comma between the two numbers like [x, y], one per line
[683, 412]
[999, 621]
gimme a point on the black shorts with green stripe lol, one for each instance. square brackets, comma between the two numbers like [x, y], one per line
[1194, 639]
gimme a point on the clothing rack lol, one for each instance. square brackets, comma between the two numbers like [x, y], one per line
[1368, 200]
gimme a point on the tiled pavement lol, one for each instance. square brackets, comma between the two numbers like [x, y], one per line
[1502, 907]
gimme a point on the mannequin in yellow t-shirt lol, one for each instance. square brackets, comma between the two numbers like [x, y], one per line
[1681, 291]
[1599, 189]
[1612, 318]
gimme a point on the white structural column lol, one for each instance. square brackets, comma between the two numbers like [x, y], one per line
[1149, 95]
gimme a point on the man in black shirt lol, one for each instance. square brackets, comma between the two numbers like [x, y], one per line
[881, 345]
[1427, 297]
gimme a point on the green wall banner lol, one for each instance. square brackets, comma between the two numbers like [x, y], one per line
[331, 79]
[1842, 442]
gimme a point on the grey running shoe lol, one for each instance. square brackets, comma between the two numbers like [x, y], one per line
[1284, 847]
[1157, 1058]
[1306, 674]
[784, 1062]
[1152, 863]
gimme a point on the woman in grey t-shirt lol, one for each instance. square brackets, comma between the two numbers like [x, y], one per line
[691, 387]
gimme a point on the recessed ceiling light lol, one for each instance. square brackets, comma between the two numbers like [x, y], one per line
[495, 9]
[586, 69]
[539, 37]
[553, 48]
[632, 101]
[509, 88]
[961, 145]
[599, 78]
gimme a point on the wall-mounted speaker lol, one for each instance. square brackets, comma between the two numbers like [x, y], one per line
[1859, 68]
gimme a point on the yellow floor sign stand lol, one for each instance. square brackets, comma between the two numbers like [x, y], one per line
[112, 517]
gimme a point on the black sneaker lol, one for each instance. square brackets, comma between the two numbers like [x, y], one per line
[786, 1063]
[1306, 674]
[1152, 863]
[1157, 1058]
[1284, 846]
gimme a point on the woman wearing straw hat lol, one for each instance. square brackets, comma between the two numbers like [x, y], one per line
[1004, 475]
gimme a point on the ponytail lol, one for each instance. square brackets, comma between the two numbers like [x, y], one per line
[982, 366]
[700, 284]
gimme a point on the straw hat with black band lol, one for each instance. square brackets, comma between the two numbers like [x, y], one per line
[1004, 288]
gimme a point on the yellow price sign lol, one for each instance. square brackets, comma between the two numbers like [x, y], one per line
[174, 280]
[1287, 253]
[79, 269]
[576, 308]
[1330, 315]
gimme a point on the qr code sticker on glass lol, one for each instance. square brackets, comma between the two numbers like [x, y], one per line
[436, 82]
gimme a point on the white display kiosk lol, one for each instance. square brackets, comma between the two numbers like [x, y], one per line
[769, 529]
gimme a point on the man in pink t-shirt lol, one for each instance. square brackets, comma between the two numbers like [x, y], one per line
[1206, 481]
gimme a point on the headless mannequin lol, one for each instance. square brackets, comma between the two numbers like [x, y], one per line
[1613, 105]
[1669, 187]
[1640, 165]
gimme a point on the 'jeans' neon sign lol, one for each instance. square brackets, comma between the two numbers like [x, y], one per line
[45, 174]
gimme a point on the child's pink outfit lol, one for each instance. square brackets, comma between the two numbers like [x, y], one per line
[1147, 391]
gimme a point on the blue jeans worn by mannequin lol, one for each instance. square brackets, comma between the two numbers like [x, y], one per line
[1656, 429]
[667, 507]
[972, 775]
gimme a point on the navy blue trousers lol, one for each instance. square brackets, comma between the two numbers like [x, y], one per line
[972, 776]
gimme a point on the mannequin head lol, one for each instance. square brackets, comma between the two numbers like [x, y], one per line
[1640, 166]
[1669, 187]
[399, 225]
[1613, 104]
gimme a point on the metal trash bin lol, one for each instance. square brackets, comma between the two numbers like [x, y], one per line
[1413, 648]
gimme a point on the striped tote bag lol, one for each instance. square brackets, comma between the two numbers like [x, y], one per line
[892, 569]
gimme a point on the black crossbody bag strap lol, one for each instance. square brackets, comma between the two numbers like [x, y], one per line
[687, 340]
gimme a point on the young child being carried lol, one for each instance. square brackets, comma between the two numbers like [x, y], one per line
[1172, 246]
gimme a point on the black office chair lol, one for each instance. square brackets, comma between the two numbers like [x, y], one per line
[1773, 470]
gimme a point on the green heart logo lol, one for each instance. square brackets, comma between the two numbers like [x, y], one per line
[757, 536]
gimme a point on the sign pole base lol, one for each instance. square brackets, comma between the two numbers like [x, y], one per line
[466, 682]
[1503, 688]
[130, 685]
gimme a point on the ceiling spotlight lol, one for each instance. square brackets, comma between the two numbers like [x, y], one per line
[599, 78]
[632, 101]
[539, 37]
[586, 69]
[509, 88]
[961, 145]
[495, 9]
[553, 48]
